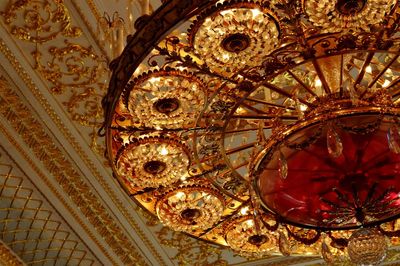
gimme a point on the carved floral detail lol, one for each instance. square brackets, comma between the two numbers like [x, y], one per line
[39, 21]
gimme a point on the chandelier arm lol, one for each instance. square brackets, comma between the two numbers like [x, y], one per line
[291, 8]
[321, 76]
[271, 228]
[220, 187]
[338, 241]
[249, 99]
[258, 111]
[377, 77]
[226, 218]
[361, 74]
[302, 83]
[283, 92]
[306, 241]
[394, 84]
[388, 233]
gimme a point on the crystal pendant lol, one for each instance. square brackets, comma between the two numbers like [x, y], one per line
[261, 139]
[284, 245]
[334, 143]
[354, 97]
[282, 166]
[393, 137]
[327, 254]
[299, 111]
[367, 246]
[255, 200]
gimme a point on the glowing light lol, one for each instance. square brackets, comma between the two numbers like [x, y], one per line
[303, 107]
[154, 79]
[256, 12]
[250, 223]
[240, 110]
[244, 210]
[180, 195]
[386, 84]
[164, 151]
[226, 56]
[317, 82]
[226, 12]
[368, 69]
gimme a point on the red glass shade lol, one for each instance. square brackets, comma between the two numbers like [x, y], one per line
[359, 187]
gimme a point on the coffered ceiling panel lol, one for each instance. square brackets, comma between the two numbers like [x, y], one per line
[31, 226]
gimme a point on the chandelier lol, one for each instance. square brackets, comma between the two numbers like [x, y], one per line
[271, 127]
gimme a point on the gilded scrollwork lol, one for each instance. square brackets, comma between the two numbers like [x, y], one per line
[73, 70]
[42, 146]
[190, 251]
[39, 21]
[76, 71]
[71, 66]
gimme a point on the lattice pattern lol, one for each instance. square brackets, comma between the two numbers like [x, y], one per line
[31, 229]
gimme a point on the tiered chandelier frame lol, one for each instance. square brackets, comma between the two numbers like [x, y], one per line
[225, 119]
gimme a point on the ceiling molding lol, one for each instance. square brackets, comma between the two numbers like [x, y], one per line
[30, 225]
[40, 143]
[8, 257]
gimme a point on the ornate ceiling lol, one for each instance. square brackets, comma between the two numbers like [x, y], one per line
[59, 202]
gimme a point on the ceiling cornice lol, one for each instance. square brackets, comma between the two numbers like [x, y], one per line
[8, 257]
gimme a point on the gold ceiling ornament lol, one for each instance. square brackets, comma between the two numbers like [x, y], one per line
[190, 208]
[152, 161]
[65, 70]
[41, 144]
[191, 251]
[173, 97]
[79, 72]
[305, 133]
[43, 20]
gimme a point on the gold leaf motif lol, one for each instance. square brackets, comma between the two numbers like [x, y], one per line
[80, 70]
[71, 66]
[191, 251]
[69, 180]
[39, 21]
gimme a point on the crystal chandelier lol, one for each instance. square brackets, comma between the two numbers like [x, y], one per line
[271, 127]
